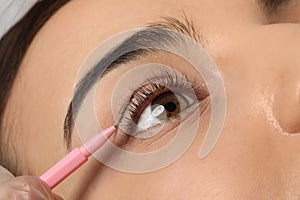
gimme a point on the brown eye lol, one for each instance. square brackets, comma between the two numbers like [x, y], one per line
[159, 102]
[173, 104]
[163, 107]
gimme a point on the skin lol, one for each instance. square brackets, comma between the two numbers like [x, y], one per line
[260, 66]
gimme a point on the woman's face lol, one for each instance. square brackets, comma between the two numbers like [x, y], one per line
[257, 155]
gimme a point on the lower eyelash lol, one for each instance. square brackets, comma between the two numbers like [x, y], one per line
[159, 83]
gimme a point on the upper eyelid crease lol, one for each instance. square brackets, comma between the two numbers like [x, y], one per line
[155, 34]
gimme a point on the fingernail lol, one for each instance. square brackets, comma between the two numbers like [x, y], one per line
[46, 190]
[40, 193]
[5, 171]
[50, 194]
[56, 197]
[4, 174]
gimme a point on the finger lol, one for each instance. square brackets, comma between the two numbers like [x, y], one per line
[53, 195]
[56, 197]
[4, 174]
[26, 187]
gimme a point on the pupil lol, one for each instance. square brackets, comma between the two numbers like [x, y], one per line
[170, 106]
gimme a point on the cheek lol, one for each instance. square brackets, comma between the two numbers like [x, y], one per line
[225, 171]
[101, 181]
[286, 103]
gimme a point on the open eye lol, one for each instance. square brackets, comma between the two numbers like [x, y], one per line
[165, 106]
[157, 102]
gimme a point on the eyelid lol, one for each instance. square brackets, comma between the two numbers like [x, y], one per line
[172, 79]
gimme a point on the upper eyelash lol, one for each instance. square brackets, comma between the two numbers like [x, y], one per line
[169, 79]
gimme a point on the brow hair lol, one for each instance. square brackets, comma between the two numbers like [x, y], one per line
[185, 26]
[272, 6]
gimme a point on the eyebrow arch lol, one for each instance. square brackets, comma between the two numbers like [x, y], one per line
[155, 34]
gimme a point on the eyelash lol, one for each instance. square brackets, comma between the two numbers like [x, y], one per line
[154, 87]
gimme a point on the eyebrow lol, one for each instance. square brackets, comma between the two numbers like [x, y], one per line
[155, 35]
[272, 6]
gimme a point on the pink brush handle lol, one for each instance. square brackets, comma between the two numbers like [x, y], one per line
[64, 168]
[75, 159]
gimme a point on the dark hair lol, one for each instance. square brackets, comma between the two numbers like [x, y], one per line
[13, 47]
[272, 6]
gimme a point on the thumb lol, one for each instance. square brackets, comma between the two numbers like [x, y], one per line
[4, 174]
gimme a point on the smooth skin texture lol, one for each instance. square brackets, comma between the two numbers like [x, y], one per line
[258, 61]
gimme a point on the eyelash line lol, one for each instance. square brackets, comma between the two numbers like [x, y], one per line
[154, 87]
